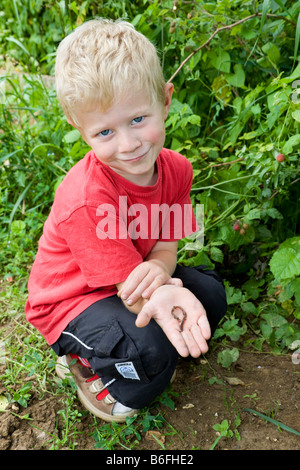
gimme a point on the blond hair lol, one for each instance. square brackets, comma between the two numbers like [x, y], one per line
[102, 60]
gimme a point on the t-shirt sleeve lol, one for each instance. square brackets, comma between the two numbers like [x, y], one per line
[104, 257]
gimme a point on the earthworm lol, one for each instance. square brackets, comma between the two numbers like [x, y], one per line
[182, 320]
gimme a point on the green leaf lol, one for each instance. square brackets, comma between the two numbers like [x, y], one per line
[72, 136]
[285, 264]
[232, 330]
[290, 144]
[293, 242]
[18, 43]
[295, 286]
[273, 421]
[272, 52]
[295, 74]
[234, 295]
[17, 226]
[274, 213]
[227, 357]
[236, 79]
[281, 4]
[253, 214]
[216, 254]
[221, 61]
[222, 428]
[296, 115]
[274, 320]
[265, 9]
[18, 202]
[248, 307]
[297, 38]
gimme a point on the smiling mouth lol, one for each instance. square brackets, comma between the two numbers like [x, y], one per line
[136, 159]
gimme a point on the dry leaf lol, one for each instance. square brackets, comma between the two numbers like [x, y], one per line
[234, 381]
[3, 403]
[187, 406]
[155, 436]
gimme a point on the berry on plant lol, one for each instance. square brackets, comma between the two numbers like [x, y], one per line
[236, 227]
[280, 157]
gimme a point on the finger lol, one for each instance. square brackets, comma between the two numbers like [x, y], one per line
[145, 289]
[199, 338]
[129, 287]
[191, 343]
[176, 338]
[175, 281]
[157, 282]
[204, 325]
[132, 284]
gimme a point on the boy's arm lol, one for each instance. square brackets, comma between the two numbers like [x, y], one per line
[155, 271]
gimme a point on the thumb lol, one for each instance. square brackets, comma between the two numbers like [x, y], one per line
[144, 316]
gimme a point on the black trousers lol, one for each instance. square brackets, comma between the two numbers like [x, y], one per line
[136, 364]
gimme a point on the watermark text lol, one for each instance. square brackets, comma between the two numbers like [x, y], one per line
[152, 221]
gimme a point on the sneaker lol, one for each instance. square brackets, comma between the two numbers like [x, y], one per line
[93, 395]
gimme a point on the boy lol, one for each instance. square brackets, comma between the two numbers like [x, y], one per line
[105, 289]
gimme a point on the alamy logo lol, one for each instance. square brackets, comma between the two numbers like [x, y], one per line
[154, 221]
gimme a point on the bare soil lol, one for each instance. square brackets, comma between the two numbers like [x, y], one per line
[206, 396]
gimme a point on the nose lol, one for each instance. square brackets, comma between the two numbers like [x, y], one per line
[128, 142]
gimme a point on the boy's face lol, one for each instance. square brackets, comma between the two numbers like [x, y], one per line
[129, 136]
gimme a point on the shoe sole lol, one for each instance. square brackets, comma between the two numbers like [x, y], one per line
[62, 370]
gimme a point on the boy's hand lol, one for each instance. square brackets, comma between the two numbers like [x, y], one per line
[195, 329]
[144, 280]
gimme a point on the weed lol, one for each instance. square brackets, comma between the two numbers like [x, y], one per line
[223, 430]
[128, 435]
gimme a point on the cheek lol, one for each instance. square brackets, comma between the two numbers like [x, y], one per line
[156, 134]
[103, 151]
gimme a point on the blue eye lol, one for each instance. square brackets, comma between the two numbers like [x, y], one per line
[105, 132]
[138, 119]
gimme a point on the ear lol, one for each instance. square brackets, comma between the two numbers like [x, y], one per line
[169, 88]
[69, 120]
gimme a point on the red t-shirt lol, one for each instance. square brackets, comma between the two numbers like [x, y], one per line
[101, 226]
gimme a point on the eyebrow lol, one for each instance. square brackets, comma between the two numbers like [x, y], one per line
[139, 112]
